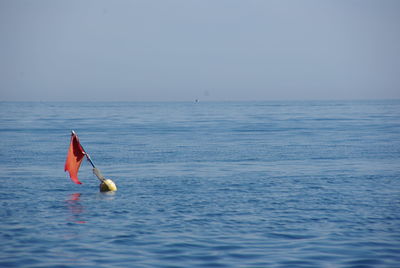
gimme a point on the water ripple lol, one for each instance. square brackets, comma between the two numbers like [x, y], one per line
[302, 184]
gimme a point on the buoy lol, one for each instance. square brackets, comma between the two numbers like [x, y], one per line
[74, 158]
[107, 186]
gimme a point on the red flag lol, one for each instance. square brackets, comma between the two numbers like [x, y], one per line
[74, 158]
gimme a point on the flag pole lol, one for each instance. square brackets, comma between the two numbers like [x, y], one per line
[90, 160]
[86, 154]
[96, 171]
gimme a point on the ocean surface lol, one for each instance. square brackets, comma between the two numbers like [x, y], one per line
[208, 184]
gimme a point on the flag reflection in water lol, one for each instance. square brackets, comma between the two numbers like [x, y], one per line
[76, 208]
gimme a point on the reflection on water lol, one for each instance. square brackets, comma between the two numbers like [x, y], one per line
[106, 195]
[77, 211]
[76, 208]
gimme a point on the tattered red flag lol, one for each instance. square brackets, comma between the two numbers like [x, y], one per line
[74, 158]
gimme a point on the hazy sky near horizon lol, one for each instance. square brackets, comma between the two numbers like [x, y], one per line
[170, 50]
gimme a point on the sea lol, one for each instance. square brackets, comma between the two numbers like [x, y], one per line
[202, 184]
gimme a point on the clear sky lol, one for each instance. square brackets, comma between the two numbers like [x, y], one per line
[183, 50]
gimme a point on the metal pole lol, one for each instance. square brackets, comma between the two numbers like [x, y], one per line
[90, 160]
[86, 154]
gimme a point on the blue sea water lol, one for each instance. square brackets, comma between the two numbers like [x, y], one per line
[216, 184]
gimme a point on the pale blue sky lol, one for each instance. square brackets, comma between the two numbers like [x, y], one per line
[207, 50]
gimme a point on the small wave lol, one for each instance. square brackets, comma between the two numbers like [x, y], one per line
[290, 236]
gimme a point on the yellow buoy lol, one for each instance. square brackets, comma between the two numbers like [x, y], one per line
[107, 186]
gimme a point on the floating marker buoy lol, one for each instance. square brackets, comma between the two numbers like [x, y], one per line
[107, 186]
[74, 160]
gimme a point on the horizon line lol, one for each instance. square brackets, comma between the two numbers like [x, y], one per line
[197, 100]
